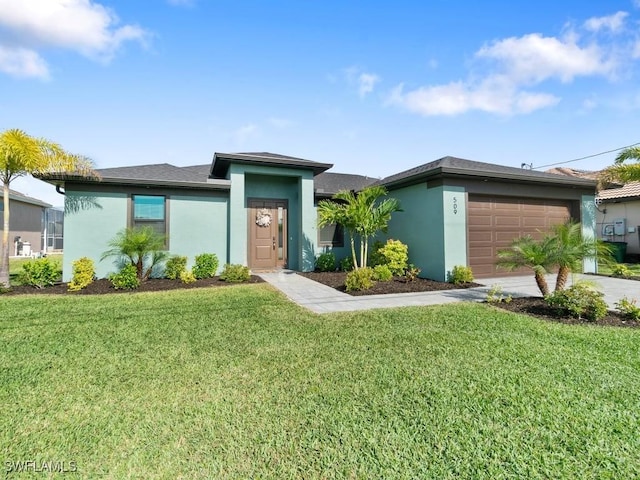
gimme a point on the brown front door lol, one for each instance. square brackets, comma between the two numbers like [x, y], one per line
[267, 233]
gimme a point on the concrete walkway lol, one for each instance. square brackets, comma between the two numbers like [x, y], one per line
[320, 298]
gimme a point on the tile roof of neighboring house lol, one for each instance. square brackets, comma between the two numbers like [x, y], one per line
[471, 168]
[221, 161]
[327, 184]
[21, 197]
[573, 172]
[628, 191]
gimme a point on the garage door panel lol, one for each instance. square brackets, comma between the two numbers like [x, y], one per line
[494, 222]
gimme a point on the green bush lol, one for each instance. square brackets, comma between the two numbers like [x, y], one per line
[395, 255]
[126, 278]
[621, 270]
[139, 246]
[360, 279]
[40, 273]
[628, 308]
[346, 264]
[84, 273]
[175, 266]
[495, 295]
[326, 262]
[206, 265]
[187, 277]
[382, 273]
[411, 273]
[460, 274]
[376, 258]
[235, 273]
[580, 301]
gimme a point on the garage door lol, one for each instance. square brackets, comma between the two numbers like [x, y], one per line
[493, 223]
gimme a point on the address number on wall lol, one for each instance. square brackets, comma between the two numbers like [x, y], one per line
[455, 205]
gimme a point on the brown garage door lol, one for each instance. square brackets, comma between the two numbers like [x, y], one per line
[493, 223]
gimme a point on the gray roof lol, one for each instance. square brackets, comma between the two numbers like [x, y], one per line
[159, 171]
[328, 184]
[21, 197]
[471, 168]
[221, 161]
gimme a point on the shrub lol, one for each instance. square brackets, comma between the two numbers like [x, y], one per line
[40, 273]
[126, 278]
[187, 277]
[460, 274]
[381, 273]
[629, 308]
[175, 266]
[142, 247]
[326, 262]
[411, 273]
[83, 274]
[360, 279]
[621, 270]
[580, 301]
[235, 273]
[395, 255]
[494, 295]
[206, 265]
[376, 258]
[346, 264]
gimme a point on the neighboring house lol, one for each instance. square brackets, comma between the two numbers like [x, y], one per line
[259, 209]
[26, 222]
[618, 211]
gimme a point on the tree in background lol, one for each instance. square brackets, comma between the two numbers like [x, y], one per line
[363, 215]
[623, 172]
[20, 155]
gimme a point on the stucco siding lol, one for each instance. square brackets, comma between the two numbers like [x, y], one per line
[630, 211]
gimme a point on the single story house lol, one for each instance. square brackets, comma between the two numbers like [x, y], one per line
[26, 223]
[259, 210]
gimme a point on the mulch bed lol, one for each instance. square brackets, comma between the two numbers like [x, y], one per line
[537, 307]
[397, 285]
[103, 286]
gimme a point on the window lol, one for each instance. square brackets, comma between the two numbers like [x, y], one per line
[149, 210]
[331, 235]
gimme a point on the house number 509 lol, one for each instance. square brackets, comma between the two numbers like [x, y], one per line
[455, 206]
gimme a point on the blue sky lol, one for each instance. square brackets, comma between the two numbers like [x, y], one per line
[372, 87]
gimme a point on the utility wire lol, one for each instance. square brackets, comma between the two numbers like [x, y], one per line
[588, 156]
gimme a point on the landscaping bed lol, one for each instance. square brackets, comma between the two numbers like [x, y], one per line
[537, 307]
[397, 285]
[104, 286]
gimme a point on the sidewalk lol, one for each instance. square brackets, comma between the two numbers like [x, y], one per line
[320, 298]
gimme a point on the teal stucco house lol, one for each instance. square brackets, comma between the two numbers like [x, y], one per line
[259, 210]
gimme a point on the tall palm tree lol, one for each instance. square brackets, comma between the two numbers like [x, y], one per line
[21, 154]
[569, 248]
[530, 253]
[620, 171]
[362, 215]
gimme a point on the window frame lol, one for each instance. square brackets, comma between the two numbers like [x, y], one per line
[338, 230]
[132, 222]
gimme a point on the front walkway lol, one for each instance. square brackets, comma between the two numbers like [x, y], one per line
[322, 299]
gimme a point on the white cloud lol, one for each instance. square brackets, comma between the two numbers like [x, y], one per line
[364, 81]
[513, 67]
[84, 26]
[22, 62]
[614, 22]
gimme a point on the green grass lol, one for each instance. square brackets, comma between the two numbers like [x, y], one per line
[604, 269]
[237, 382]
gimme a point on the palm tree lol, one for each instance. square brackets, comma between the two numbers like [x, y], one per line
[569, 248]
[140, 246]
[21, 154]
[621, 172]
[362, 214]
[530, 253]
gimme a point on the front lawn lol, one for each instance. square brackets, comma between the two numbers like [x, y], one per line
[240, 383]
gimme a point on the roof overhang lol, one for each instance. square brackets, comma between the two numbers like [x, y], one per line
[221, 162]
[60, 180]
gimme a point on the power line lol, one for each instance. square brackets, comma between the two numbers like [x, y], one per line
[588, 156]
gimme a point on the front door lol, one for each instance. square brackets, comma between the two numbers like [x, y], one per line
[267, 233]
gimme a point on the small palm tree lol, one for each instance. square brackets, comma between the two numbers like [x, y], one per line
[529, 253]
[569, 248]
[142, 247]
[620, 171]
[361, 215]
